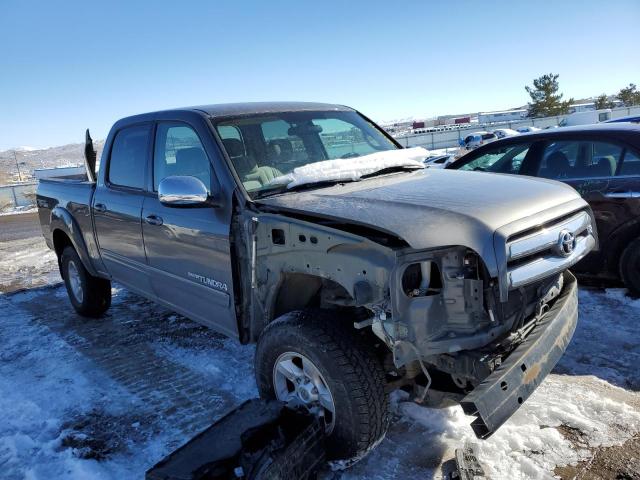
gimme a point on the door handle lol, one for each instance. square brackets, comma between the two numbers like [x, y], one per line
[153, 220]
[100, 207]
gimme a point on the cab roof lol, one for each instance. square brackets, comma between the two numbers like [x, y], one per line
[248, 108]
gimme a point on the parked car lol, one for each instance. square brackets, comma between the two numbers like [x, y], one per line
[355, 269]
[505, 132]
[602, 162]
[476, 139]
[439, 161]
[629, 118]
[528, 129]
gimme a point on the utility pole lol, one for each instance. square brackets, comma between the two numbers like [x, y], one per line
[15, 157]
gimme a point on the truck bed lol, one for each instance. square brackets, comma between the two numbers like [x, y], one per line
[73, 193]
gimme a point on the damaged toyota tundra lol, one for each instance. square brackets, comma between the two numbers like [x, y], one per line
[307, 229]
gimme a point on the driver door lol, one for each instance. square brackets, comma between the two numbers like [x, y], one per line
[188, 249]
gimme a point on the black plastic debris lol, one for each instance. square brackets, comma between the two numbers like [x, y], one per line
[261, 440]
[467, 464]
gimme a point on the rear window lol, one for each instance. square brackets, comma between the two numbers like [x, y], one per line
[129, 155]
[488, 136]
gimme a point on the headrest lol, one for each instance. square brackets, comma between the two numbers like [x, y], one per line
[558, 162]
[234, 147]
[606, 166]
[280, 150]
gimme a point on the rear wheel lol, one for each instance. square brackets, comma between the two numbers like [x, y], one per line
[630, 267]
[89, 295]
[314, 360]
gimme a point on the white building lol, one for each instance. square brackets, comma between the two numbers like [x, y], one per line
[502, 116]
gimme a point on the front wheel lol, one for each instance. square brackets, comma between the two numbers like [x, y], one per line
[314, 360]
[630, 267]
[89, 295]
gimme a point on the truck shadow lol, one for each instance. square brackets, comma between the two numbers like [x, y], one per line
[414, 447]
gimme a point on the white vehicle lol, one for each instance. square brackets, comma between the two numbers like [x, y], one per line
[439, 161]
[474, 140]
[586, 118]
[505, 132]
[528, 129]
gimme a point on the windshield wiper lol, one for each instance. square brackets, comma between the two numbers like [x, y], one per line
[282, 188]
[384, 171]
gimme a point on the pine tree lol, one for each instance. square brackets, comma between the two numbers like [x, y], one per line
[629, 95]
[545, 99]
[603, 102]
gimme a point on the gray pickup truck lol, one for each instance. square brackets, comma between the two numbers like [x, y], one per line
[306, 228]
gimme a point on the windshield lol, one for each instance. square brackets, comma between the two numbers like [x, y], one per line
[268, 146]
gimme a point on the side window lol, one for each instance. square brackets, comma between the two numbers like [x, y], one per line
[579, 159]
[344, 140]
[500, 160]
[178, 151]
[129, 153]
[630, 164]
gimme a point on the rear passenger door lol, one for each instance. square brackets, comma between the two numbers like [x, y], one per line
[188, 249]
[117, 205]
[592, 168]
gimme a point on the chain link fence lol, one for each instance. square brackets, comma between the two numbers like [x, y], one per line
[18, 196]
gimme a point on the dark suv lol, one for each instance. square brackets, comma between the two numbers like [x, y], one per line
[602, 162]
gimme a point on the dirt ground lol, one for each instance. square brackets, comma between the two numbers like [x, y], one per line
[621, 462]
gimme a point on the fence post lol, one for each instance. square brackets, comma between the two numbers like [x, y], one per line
[15, 199]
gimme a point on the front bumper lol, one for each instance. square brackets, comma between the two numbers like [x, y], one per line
[502, 392]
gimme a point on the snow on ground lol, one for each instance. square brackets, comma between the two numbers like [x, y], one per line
[16, 210]
[108, 398]
[26, 263]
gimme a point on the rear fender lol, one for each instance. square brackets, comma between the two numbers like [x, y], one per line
[61, 219]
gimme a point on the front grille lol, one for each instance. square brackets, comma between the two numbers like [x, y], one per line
[548, 249]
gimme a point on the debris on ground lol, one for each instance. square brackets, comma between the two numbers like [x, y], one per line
[259, 440]
[467, 464]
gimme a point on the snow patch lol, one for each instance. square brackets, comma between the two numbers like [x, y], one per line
[352, 169]
[27, 263]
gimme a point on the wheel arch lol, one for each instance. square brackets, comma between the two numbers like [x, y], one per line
[66, 232]
[296, 291]
[617, 241]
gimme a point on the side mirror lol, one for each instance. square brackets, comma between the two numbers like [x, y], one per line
[184, 191]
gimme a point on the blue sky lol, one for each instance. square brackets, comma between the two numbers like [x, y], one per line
[68, 65]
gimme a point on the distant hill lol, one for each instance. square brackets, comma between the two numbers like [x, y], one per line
[29, 159]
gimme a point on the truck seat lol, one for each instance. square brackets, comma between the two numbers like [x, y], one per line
[557, 166]
[604, 166]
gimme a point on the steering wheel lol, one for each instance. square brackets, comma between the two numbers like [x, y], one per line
[350, 155]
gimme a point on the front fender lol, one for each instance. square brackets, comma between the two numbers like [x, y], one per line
[61, 219]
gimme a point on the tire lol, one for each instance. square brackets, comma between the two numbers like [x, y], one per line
[630, 267]
[347, 365]
[89, 295]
